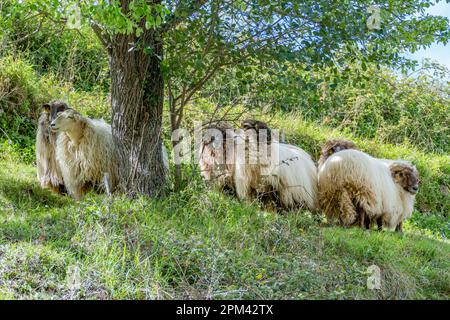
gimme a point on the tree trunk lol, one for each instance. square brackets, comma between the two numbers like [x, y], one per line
[137, 93]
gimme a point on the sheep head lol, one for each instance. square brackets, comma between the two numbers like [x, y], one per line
[332, 146]
[54, 108]
[256, 125]
[65, 121]
[405, 175]
[213, 150]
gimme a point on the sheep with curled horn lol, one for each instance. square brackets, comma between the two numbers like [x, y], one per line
[261, 129]
[406, 176]
[216, 155]
[357, 188]
[85, 153]
[286, 170]
[48, 171]
[333, 146]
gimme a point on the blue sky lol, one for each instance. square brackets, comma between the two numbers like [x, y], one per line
[437, 52]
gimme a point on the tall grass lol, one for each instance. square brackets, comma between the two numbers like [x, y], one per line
[197, 243]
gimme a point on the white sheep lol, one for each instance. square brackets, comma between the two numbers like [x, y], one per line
[354, 185]
[256, 168]
[286, 171]
[48, 171]
[216, 164]
[85, 152]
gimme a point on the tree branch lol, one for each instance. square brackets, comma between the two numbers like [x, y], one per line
[102, 36]
[181, 13]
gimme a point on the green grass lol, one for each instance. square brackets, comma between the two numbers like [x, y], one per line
[198, 243]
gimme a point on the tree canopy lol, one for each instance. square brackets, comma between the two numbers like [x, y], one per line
[182, 45]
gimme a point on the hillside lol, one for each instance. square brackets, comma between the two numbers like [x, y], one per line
[200, 243]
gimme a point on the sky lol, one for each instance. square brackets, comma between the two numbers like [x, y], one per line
[437, 52]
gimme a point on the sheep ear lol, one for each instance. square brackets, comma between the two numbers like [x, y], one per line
[62, 108]
[394, 173]
[45, 107]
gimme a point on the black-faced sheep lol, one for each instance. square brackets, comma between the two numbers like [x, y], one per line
[48, 171]
[354, 185]
[85, 152]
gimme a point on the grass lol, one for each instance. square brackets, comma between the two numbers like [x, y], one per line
[198, 243]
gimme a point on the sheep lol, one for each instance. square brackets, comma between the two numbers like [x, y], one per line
[354, 185]
[261, 129]
[282, 169]
[278, 169]
[48, 172]
[216, 164]
[85, 153]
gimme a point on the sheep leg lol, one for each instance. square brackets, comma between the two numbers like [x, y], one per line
[286, 199]
[62, 189]
[399, 228]
[367, 221]
[242, 183]
[75, 190]
[380, 223]
[348, 210]
[364, 221]
[243, 191]
[362, 216]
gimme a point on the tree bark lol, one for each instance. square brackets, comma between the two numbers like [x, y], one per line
[137, 94]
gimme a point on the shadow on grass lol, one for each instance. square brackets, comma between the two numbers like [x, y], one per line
[56, 230]
[25, 194]
[31, 217]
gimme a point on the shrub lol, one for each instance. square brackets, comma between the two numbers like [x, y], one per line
[368, 103]
[75, 56]
[22, 92]
[21, 95]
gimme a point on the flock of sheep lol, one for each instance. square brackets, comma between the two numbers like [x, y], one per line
[75, 153]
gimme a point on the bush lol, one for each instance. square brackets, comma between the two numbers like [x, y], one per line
[21, 95]
[389, 109]
[372, 103]
[75, 56]
[22, 92]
